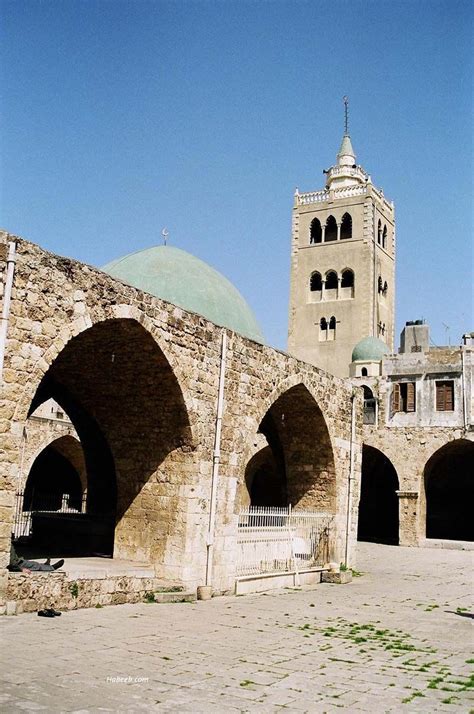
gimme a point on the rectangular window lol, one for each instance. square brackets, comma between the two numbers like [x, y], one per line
[404, 397]
[445, 396]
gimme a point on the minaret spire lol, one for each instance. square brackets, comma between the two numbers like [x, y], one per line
[345, 99]
[346, 155]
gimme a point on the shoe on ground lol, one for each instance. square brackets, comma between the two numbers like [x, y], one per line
[45, 613]
[54, 612]
[59, 564]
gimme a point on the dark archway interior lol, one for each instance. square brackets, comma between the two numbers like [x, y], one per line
[52, 476]
[378, 506]
[264, 480]
[125, 403]
[297, 467]
[449, 485]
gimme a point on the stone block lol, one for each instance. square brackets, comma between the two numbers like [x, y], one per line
[11, 608]
[341, 578]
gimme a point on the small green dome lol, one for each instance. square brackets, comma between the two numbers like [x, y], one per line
[178, 277]
[370, 349]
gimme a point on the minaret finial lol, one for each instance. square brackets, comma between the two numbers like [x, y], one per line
[346, 115]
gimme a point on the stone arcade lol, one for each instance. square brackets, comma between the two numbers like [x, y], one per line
[139, 379]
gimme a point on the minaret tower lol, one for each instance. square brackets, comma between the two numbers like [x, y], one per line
[342, 285]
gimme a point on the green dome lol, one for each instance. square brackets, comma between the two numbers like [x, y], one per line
[370, 349]
[181, 279]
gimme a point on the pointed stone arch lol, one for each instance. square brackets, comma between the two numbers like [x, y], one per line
[297, 434]
[315, 231]
[58, 469]
[119, 390]
[331, 229]
[85, 322]
[448, 492]
[378, 505]
[346, 226]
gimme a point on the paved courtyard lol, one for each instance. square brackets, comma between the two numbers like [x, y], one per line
[397, 639]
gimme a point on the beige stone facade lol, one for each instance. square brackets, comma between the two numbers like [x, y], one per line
[428, 442]
[342, 285]
[139, 380]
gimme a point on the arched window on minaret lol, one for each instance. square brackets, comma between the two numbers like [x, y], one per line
[347, 283]
[331, 280]
[332, 328]
[315, 232]
[330, 286]
[346, 226]
[380, 285]
[384, 237]
[331, 229]
[315, 286]
[323, 329]
[379, 232]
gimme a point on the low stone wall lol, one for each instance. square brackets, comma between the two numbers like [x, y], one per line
[36, 591]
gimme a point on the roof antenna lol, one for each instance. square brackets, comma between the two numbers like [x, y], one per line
[165, 234]
[346, 114]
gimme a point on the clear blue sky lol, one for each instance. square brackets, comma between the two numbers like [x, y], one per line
[119, 118]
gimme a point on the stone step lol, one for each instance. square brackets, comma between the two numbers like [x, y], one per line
[175, 596]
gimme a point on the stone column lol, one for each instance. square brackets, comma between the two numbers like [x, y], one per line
[339, 280]
[338, 231]
[407, 509]
[323, 289]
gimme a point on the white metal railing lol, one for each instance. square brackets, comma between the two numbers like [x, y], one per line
[279, 540]
[44, 503]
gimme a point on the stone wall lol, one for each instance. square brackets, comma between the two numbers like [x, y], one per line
[139, 379]
[38, 591]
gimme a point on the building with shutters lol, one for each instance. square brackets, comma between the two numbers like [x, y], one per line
[418, 439]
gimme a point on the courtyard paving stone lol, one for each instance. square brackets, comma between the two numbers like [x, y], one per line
[397, 639]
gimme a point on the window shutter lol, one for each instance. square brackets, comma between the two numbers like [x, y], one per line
[410, 397]
[449, 396]
[440, 397]
[396, 398]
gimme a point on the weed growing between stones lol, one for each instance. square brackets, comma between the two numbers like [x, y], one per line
[149, 597]
[412, 696]
[74, 589]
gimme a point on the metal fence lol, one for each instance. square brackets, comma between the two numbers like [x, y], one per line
[279, 540]
[43, 503]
